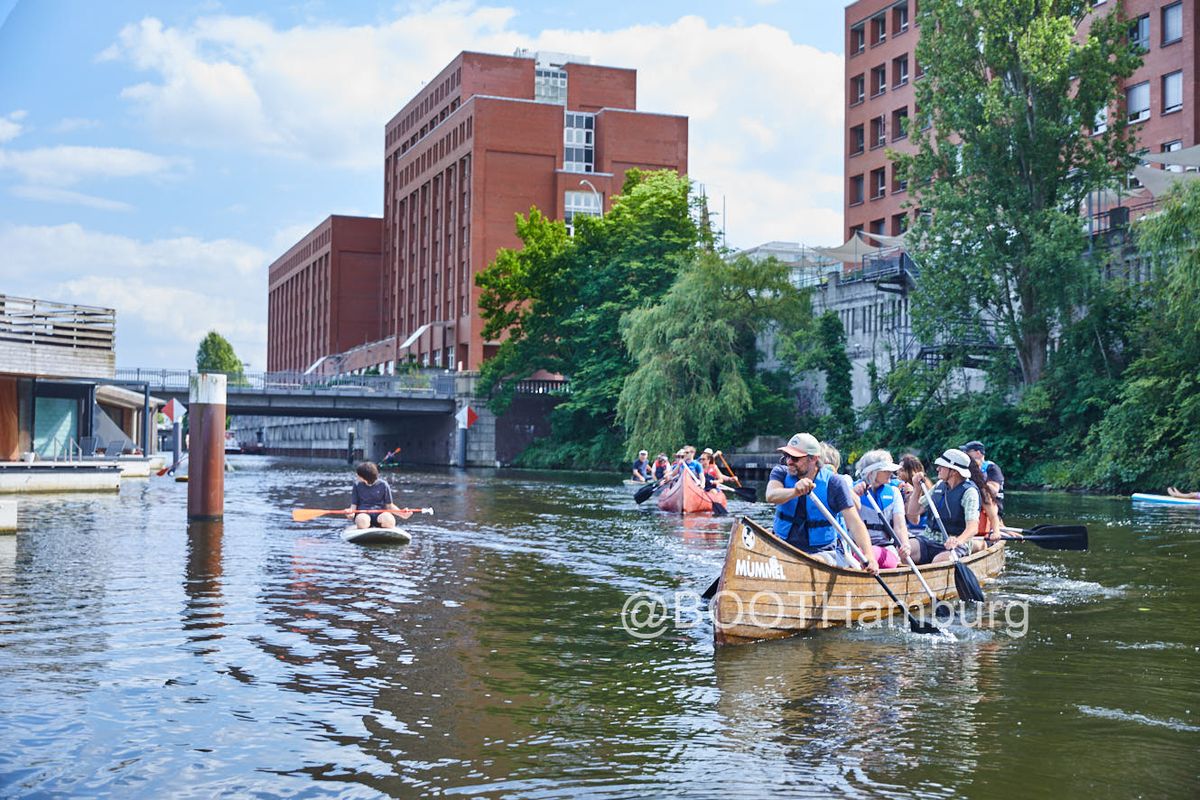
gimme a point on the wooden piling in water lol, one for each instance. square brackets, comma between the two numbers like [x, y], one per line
[206, 447]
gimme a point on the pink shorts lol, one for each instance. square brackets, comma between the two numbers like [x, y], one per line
[886, 556]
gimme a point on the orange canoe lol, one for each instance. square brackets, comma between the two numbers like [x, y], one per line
[686, 495]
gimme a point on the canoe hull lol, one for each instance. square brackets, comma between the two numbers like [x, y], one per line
[1165, 500]
[685, 495]
[770, 590]
[376, 536]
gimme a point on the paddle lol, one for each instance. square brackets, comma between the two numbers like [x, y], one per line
[306, 514]
[965, 582]
[1052, 537]
[173, 467]
[643, 494]
[744, 492]
[938, 607]
[914, 624]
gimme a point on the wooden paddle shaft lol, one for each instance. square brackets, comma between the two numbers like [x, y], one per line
[726, 465]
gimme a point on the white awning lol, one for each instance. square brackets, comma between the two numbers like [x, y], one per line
[853, 249]
[886, 241]
[1188, 157]
[1160, 181]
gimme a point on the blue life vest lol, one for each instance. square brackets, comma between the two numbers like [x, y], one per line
[818, 534]
[884, 496]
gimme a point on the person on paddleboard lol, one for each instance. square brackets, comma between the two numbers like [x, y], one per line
[799, 522]
[371, 493]
[1171, 490]
[641, 467]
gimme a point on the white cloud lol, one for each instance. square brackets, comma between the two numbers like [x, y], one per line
[765, 112]
[168, 293]
[10, 126]
[67, 165]
[49, 194]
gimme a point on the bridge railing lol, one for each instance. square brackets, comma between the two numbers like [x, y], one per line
[434, 383]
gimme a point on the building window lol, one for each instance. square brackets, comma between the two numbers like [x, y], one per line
[1100, 123]
[1172, 92]
[856, 190]
[1137, 102]
[900, 123]
[899, 71]
[878, 132]
[899, 224]
[900, 18]
[579, 142]
[878, 29]
[858, 89]
[1139, 33]
[877, 226]
[580, 203]
[1171, 147]
[858, 39]
[857, 140]
[550, 86]
[899, 181]
[878, 183]
[1172, 23]
[878, 80]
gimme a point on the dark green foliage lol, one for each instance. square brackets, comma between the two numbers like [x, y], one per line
[823, 349]
[1012, 95]
[215, 354]
[559, 300]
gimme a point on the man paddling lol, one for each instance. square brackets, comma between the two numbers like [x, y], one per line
[802, 524]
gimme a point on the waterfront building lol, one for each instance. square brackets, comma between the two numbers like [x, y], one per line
[487, 138]
[323, 293]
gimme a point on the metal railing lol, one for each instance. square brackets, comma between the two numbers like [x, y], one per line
[44, 323]
[435, 383]
[879, 266]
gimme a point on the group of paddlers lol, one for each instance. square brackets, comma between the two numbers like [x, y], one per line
[893, 512]
[703, 466]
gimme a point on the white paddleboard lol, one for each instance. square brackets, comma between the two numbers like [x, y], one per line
[377, 535]
[1165, 500]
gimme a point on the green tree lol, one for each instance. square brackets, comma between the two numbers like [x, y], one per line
[557, 304]
[823, 349]
[1012, 92]
[696, 352]
[215, 354]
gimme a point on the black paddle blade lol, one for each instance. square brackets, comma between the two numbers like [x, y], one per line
[643, 494]
[967, 584]
[1058, 537]
[921, 626]
[719, 510]
[711, 590]
[747, 493]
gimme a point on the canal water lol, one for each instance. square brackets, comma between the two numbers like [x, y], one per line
[139, 657]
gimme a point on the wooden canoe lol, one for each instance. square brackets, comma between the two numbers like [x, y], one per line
[376, 536]
[686, 495]
[770, 590]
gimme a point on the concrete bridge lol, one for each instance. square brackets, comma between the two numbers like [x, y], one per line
[288, 394]
[369, 415]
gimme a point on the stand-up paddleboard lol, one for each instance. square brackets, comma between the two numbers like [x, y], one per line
[1165, 500]
[377, 535]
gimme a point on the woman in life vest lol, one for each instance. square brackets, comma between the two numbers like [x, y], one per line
[912, 477]
[662, 467]
[878, 479]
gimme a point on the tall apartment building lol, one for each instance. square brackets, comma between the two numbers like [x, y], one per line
[487, 138]
[323, 293]
[881, 39]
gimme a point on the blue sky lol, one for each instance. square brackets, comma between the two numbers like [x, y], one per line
[156, 157]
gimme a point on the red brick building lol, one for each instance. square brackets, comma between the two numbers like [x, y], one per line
[323, 293]
[487, 138]
[880, 67]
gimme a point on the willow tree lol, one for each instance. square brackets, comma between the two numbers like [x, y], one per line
[1015, 91]
[696, 351]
